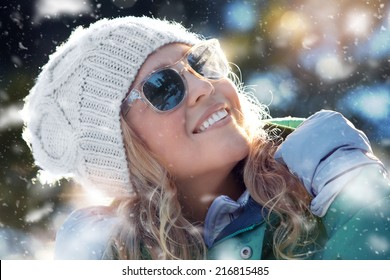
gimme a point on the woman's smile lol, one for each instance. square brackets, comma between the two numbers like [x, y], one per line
[202, 134]
[217, 118]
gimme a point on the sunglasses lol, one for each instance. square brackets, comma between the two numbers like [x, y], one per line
[165, 88]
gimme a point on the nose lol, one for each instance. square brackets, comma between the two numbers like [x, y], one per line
[198, 87]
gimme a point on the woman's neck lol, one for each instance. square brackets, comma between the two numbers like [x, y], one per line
[197, 194]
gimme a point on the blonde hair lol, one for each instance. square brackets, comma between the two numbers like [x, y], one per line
[153, 224]
[272, 185]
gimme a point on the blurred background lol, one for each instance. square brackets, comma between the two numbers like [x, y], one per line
[299, 56]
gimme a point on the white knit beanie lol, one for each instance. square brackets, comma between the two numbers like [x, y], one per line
[72, 113]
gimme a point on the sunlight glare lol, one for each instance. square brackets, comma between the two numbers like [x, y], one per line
[55, 8]
[330, 68]
[358, 23]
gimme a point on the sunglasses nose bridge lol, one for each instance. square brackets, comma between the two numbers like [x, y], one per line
[182, 65]
[185, 67]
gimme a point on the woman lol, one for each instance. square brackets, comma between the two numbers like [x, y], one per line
[149, 113]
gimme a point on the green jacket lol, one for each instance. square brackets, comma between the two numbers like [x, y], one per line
[356, 225]
[358, 229]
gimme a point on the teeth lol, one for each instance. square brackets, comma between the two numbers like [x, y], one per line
[213, 119]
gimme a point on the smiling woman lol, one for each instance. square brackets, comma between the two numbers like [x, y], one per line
[150, 114]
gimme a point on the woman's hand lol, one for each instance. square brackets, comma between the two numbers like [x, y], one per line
[323, 151]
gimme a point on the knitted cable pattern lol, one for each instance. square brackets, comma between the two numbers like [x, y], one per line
[71, 114]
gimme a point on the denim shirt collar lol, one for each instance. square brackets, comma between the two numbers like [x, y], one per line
[221, 213]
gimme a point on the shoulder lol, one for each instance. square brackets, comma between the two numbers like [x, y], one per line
[325, 147]
[327, 121]
[85, 233]
[320, 136]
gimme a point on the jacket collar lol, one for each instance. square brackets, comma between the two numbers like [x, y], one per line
[226, 217]
[222, 212]
[251, 216]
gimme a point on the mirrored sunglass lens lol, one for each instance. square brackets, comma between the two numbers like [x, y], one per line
[209, 61]
[197, 61]
[164, 89]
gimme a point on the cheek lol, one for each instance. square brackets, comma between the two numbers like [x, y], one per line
[165, 144]
[161, 134]
[230, 92]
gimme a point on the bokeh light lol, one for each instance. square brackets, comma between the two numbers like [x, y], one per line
[358, 22]
[276, 89]
[240, 15]
[55, 8]
[330, 67]
[372, 104]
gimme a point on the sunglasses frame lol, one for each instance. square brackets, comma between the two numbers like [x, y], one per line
[136, 94]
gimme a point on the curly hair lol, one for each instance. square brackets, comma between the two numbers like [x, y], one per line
[153, 225]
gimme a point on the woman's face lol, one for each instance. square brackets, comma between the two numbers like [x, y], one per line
[178, 138]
